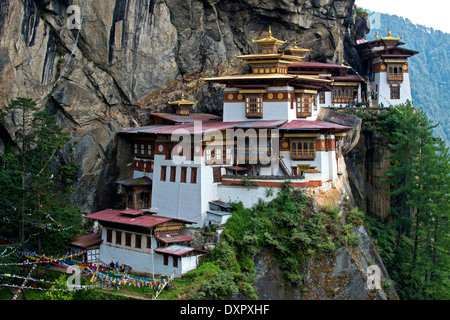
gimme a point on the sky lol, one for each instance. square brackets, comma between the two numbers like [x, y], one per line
[429, 13]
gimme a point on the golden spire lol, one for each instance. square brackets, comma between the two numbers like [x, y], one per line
[182, 106]
[376, 35]
[269, 41]
[390, 37]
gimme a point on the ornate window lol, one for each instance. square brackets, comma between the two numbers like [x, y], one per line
[217, 175]
[303, 149]
[322, 97]
[343, 94]
[143, 150]
[395, 72]
[254, 106]
[395, 92]
[304, 106]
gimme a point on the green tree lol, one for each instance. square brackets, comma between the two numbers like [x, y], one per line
[30, 190]
[419, 180]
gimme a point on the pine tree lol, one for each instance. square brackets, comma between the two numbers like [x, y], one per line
[419, 179]
[29, 170]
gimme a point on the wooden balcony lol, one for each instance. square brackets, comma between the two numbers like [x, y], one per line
[309, 155]
[395, 76]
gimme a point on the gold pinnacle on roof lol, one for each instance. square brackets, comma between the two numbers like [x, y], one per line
[389, 37]
[269, 41]
[182, 102]
[182, 106]
[296, 51]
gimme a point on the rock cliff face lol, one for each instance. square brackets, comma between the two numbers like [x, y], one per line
[342, 277]
[133, 56]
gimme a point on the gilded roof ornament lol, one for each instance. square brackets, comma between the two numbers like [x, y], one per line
[269, 41]
[182, 101]
[390, 37]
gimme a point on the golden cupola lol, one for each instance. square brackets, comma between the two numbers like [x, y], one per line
[272, 60]
[183, 106]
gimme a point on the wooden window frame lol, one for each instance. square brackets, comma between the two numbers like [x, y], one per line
[127, 239]
[144, 150]
[163, 173]
[294, 171]
[217, 174]
[302, 153]
[304, 105]
[137, 241]
[183, 174]
[173, 173]
[169, 149]
[175, 261]
[395, 92]
[322, 97]
[254, 106]
[165, 259]
[119, 237]
[392, 75]
[109, 235]
[343, 94]
[194, 172]
[149, 242]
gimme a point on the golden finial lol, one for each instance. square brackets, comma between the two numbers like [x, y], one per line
[376, 35]
[389, 32]
[270, 31]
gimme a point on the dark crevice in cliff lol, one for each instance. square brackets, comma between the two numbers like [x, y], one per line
[30, 22]
[47, 70]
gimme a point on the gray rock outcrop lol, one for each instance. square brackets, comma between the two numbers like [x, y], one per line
[133, 56]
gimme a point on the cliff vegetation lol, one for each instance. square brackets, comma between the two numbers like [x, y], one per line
[413, 237]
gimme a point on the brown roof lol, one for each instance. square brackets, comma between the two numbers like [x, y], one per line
[142, 181]
[177, 250]
[172, 238]
[87, 240]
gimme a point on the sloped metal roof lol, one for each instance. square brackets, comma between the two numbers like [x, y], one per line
[146, 221]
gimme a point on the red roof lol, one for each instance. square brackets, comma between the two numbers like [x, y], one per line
[209, 126]
[146, 221]
[349, 77]
[313, 125]
[172, 238]
[133, 212]
[261, 124]
[323, 65]
[182, 119]
[191, 128]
